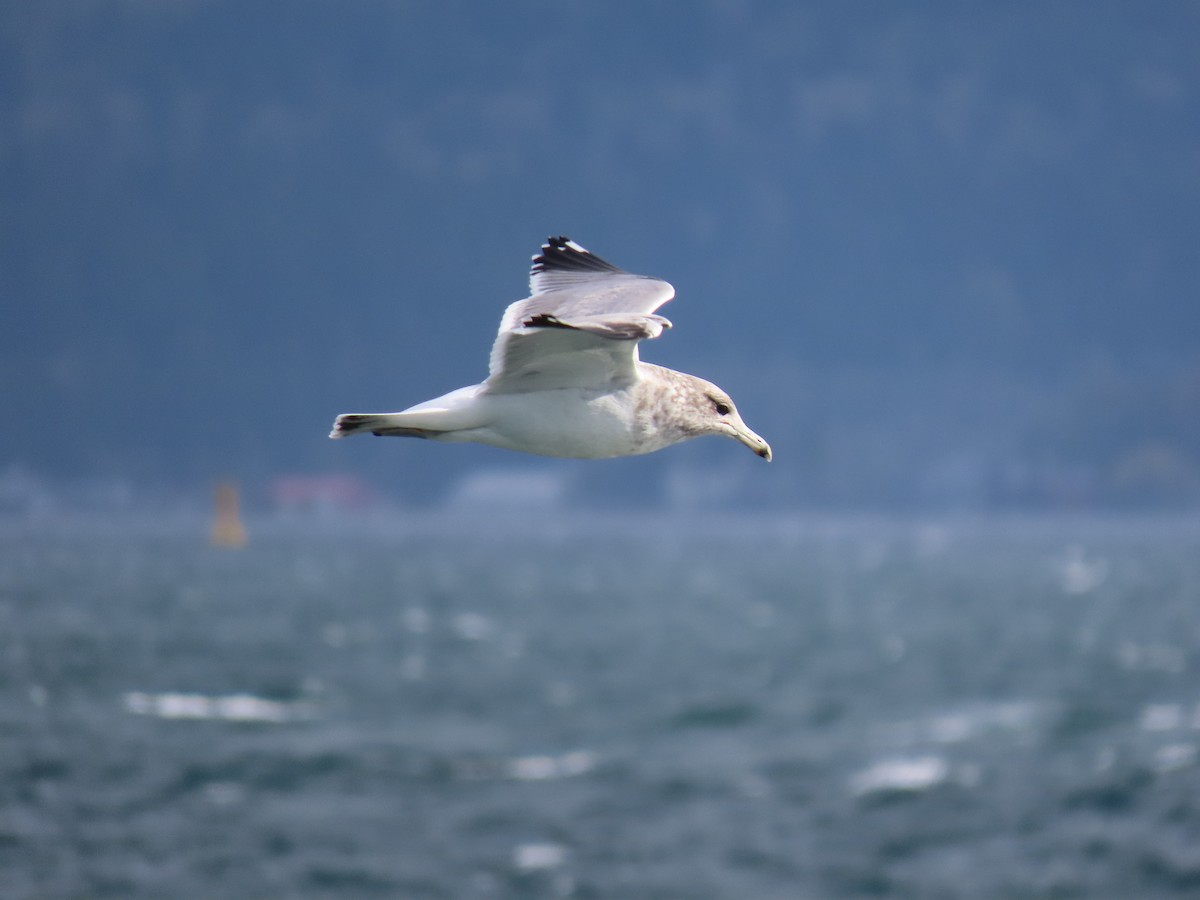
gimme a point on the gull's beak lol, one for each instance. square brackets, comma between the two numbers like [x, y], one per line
[750, 439]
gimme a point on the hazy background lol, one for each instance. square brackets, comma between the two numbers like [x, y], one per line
[942, 255]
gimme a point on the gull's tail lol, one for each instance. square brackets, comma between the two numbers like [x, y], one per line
[384, 424]
[441, 418]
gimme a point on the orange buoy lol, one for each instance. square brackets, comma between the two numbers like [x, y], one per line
[227, 530]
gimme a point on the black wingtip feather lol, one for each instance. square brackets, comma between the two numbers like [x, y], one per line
[545, 320]
[563, 254]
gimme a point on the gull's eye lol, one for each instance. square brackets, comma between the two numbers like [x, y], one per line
[721, 408]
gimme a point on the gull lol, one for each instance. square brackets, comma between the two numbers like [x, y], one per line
[565, 378]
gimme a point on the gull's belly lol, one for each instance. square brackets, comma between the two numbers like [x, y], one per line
[572, 423]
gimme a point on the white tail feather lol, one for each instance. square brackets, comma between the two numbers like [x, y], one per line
[349, 424]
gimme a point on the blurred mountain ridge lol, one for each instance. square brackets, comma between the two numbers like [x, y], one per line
[938, 254]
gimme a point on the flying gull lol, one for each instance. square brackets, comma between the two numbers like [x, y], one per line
[565, 378]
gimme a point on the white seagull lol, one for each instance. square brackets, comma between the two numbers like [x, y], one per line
[565, 378]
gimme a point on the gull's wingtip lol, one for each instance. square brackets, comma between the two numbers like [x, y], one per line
[560, 243]
[560, 253]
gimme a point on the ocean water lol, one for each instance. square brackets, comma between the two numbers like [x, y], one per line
[630, 708]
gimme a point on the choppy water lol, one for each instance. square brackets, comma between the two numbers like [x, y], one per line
[735, 709]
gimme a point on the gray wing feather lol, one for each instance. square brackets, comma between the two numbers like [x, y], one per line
[581, 326]
[568, 281]
[563, 263]
[536, 359]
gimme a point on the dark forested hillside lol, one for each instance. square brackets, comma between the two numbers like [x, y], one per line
[942, 253]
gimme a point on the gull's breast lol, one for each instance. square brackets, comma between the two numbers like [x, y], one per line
[575, 423]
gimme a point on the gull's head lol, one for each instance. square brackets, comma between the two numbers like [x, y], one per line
[715, 413]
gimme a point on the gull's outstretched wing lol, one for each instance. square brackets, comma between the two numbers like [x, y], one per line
[580, 327]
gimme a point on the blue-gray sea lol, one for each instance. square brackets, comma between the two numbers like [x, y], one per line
[625, 707]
